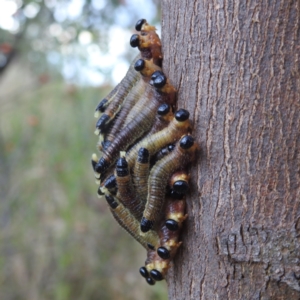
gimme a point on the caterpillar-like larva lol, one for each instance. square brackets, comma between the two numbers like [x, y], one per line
[138, 85]
[149, 45]
[125, 189]
[140, 176]
[122, 112]
[147, 41]
[146, 148]
[161, 93]
[116, 96]
[126, 220]
[179, 158]
[179, 125]
[156, 267]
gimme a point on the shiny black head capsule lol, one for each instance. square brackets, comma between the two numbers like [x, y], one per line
[187, 142]
[181, 186]
[182, 115]
[122, 167]
[111, 201]
[156, 275]
[143, 156]
[144, 272]
[139, 24]
[171, 147]
[110, 182]
[139, 65]
[172, 225]
[150, 281]
[134, 41]
[102, 165]
[163, 109]
[102, 122]
[146, 225]
[163, 253]
[101, 106]
[105, 144]
[159, 81]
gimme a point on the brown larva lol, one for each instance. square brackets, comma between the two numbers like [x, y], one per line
[147, 41]
[156, 266]
[179, 125]
[110, 104]
[146, 69]
[125, 189]
[183, 154]
[138, 126]
[126, 220]
[140, 176]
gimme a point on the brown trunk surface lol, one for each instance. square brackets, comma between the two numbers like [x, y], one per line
[236, 67]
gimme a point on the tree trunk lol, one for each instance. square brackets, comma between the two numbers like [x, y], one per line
[236, 67]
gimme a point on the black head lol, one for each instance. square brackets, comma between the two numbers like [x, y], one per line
[181, 186]
[150, 281]
[143, 156]
[139, 24]
[187, 142]
[182, 115]
[139, 65]
[172, 225]
[144, 272]
[156, 74]
[146, 225]
[163, 253]
[163, 109]
[171, 147]
[122, 167]
[159, 81]
[156, 275]
[134, 41]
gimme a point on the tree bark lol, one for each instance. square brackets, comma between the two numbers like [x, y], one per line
[236, 67]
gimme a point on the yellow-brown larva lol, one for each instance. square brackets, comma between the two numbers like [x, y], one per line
[138, 126]
[183, 154]
[140, 176]
[146, 69]
[147, 41]
[126, 192]
[165, 93]
[179, 125]
[110, 104]
[126, 220]
[156, 267]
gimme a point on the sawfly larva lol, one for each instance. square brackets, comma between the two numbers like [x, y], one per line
[179, 158]
[125, 189]
[140, 176]
[147, 41]
[146, 68]
[137, 127]
[117, 95]
[130, 224]
[179, 125]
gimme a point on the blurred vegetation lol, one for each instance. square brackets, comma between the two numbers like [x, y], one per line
[57, 239]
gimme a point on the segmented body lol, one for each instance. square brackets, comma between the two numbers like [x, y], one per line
[159, 176]
[137, 118]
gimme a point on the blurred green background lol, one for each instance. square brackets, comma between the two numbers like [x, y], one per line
[58, 59]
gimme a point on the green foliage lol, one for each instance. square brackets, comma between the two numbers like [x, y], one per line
[58, 240]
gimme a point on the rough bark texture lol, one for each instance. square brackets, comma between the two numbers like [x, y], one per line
[236, 67]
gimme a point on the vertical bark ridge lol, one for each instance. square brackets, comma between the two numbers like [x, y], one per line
[236, 67]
